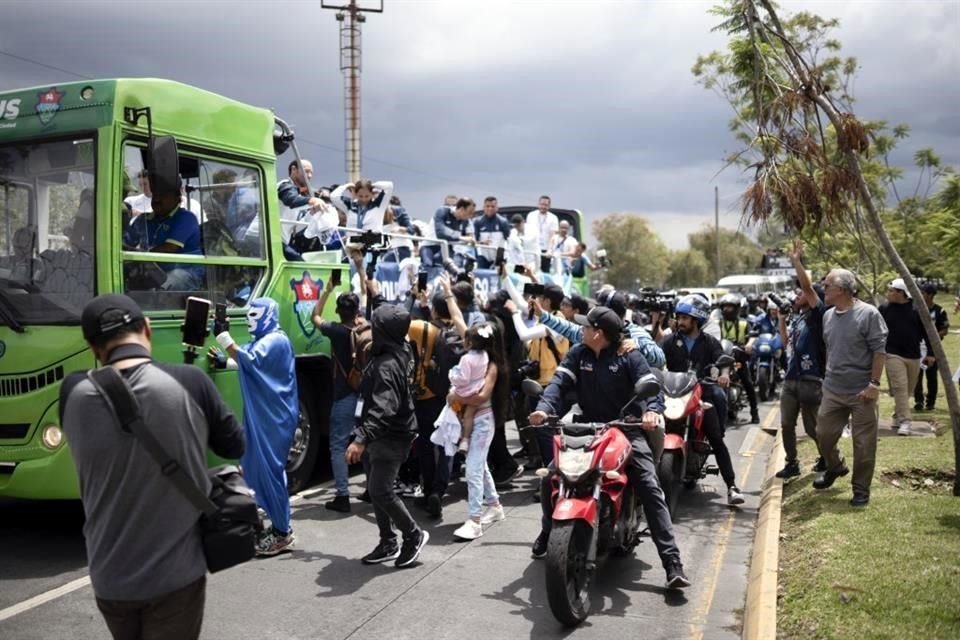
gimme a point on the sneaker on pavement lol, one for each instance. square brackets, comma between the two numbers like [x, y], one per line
[905, 428]
[493, 513]
[790, 470]
[754, 417]
[828, 477]
[434, 506]
[382, 553]
[339, 503]
[469, 530]
[539, 549]
[676, 578]
[513, 476]
[273, 544]
[411, 549]
[733, 495]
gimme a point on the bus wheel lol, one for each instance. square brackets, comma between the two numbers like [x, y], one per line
[303, 451]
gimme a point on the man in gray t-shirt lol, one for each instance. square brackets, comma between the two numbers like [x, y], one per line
[143, 542]
[855, 336]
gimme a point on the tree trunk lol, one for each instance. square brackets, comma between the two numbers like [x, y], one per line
[873, 218]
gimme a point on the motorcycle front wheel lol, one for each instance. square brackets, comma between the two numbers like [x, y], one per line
[670, 474]
[763, 384]
[567, 574]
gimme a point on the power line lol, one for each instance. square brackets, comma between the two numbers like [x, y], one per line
[44, 64]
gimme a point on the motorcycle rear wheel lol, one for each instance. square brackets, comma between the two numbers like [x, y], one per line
[567, 575]
[763, 384]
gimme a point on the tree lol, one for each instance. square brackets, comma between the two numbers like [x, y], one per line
[689, 268]
[810, 156]
[636, 253]
[738, 253]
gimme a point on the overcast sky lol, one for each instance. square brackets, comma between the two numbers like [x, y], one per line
[591, 102]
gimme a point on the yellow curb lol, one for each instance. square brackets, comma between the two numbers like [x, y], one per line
[760, 612]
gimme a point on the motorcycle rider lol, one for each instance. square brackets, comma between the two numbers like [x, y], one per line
[689, 349]
[595, 369]
[734, 329]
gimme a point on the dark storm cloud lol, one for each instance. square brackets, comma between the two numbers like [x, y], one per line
[595, 106]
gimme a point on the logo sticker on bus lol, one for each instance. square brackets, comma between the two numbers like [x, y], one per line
[49, 104]
[306, 292]
[9, 110]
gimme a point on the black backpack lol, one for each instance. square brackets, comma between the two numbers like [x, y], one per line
[447, 351]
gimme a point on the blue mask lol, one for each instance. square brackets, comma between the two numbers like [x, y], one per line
[263, 317]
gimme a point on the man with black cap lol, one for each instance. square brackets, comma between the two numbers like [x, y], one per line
[906, 333]
[386, 428]
[928, 369]
[603, 377]
[146, 558]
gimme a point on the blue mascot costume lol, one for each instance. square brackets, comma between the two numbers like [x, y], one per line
[271, 409]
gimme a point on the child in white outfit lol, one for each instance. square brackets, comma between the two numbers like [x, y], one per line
[467, 378]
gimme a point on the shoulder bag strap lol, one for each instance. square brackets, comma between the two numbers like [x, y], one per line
[120, 399]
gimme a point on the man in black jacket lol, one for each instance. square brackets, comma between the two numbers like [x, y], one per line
[387, 427]
[692, 350]
[942, 324]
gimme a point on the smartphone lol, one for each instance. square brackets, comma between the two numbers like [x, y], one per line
[220, 321]
[469, 264]
[334, 280]
[501, 258]
[533, 289]
[520, 269]
[422, 281]
[195, 321]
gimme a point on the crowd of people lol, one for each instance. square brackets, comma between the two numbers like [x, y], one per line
[423, 390]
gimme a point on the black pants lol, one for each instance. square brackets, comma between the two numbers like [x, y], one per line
[434, 465]
[714, 432]
[932, 377]
[382, 461]
[178, 614]
[746, 381]
[643, 475]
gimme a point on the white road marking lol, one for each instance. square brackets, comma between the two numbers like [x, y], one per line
[44, 598]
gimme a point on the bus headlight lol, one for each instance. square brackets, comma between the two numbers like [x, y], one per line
[51, 436]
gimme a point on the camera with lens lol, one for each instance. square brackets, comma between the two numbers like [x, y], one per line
[784, 305]
[602, 260]
[652, 301]
[529, 369]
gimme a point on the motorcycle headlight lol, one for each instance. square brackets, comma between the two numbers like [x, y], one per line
[675, 408]
[573, 463]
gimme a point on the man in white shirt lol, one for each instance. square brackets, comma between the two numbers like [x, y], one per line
[565, 246]
[544, 225]
[522, 247]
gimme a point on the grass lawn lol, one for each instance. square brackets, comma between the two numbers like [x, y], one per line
[890, 570]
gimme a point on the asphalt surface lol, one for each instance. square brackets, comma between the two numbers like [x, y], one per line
[490, 586]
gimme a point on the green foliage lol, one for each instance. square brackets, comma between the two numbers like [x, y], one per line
[690, 268]
[637, 255]
[738, 253]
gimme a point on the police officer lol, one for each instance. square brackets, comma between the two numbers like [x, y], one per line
[734, 329]
[689, 349]
[604, 374]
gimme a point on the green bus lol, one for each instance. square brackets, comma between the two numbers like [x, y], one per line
[69, 156]
[71, 161]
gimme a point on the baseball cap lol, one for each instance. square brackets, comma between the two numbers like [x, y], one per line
[602, 318]
[616, 302]
[105, 314]
[928, 287]
[900, 285]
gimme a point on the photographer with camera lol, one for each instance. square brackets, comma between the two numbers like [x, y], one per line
[806, 356]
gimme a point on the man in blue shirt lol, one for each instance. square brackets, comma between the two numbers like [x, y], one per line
[802, 392]
[451, 223]
[176, 231]
[491, 231]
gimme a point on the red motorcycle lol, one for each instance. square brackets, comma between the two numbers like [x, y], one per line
[595, 508]
[685, 446]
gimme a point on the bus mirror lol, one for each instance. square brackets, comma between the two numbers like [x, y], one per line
[164, 165]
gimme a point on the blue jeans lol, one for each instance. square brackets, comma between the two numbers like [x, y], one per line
[480, 488]
[717, 395]
[341, 425]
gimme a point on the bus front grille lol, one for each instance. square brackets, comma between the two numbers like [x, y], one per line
[19, 385]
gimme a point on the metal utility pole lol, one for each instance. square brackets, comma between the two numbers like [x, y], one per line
[716, 226]
[350, 16]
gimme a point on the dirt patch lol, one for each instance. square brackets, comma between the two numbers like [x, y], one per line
[925, 480]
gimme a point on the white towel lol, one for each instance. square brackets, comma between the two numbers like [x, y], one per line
[447, 431]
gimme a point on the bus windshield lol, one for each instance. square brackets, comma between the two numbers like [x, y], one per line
[46, 231]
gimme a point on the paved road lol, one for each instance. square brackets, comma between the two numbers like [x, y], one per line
[489, 586]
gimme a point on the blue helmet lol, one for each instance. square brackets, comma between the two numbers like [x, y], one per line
[263, 317]
[695, 307]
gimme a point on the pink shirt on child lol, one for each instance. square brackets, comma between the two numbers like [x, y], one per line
[468, 376]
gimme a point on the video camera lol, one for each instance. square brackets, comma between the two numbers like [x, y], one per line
[460, 275]
[784, 305]
[652, 301]
[602, 260]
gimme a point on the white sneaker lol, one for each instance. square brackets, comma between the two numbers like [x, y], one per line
[904, 429]
[493, 513]
[469, 530]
